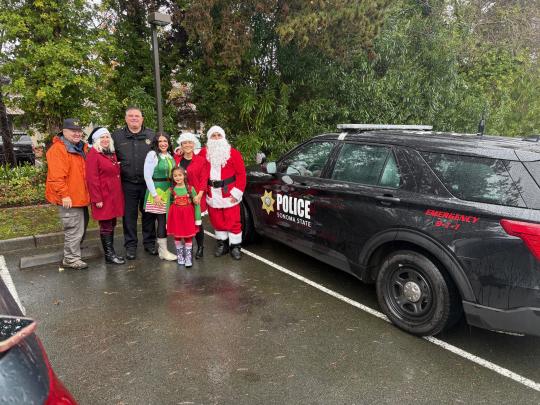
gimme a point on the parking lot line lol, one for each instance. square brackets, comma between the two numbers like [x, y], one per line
[451, 348]
[6, 277]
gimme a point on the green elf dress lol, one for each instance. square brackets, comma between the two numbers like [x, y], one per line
[157, 173]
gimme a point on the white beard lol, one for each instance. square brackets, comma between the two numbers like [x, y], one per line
[218, 152]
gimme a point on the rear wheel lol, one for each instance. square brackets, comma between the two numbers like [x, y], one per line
[416, 295]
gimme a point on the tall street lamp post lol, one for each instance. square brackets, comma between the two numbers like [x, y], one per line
[158, 20]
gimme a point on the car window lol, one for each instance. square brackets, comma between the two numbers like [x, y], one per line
[476, 178]
[534, 170]
[19, 138]
[390, 176]
[308, 160]
[364, 164]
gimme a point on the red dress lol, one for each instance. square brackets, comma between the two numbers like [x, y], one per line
[182, 214]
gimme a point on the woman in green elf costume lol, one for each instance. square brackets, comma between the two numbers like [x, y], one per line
[157, 171]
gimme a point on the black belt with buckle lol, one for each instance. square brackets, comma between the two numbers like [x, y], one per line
[222, 183]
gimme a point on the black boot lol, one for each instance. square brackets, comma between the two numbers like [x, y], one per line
[152, 250]
[114, 251]
[131, 253]
[108, 250]
[200, 252]
[222, 248]
[199, 237]
[236, 252]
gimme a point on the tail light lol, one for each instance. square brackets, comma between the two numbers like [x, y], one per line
[58, 394]
[528, 232]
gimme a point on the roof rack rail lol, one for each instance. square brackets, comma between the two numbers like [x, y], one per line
[369, 127]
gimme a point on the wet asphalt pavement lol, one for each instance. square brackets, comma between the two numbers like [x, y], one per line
[227, 332]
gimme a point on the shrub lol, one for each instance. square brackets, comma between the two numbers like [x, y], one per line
[22, 185]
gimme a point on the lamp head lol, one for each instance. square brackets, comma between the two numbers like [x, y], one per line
[159, 19]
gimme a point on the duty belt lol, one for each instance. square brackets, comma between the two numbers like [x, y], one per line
[222, 183]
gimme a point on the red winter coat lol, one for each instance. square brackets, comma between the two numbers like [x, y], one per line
[195, 173]
[103, 179]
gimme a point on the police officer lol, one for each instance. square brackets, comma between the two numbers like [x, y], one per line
[132, 143]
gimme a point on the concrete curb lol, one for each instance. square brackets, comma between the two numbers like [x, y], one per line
[56, 257]
[37, 241]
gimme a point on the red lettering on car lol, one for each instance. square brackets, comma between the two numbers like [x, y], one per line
[451, 216]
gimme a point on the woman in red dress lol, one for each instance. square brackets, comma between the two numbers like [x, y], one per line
[105, 189]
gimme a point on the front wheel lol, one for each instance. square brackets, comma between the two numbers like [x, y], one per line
[415, 294]
[249, 234]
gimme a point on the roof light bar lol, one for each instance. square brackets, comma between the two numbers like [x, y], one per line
[369, 127]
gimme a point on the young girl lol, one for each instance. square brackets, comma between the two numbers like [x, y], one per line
[184, 216]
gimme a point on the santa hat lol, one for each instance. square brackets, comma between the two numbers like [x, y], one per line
[188, 136]
[98, 133]
[215, 128]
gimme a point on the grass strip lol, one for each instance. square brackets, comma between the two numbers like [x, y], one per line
[32, 220]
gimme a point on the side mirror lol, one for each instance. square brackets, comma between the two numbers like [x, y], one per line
[271, 168]
[13, 330]
[260, 158]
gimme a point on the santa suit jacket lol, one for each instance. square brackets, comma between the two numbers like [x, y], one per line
[219, 197]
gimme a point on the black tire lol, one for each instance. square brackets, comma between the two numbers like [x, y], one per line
[249, 235]
[416, 295]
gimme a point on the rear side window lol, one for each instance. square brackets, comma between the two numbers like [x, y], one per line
[476, 178]
[367, 164]
[534, 169]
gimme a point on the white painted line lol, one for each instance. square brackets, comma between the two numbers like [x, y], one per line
[451, 348]
[485, 363]
[6, 277]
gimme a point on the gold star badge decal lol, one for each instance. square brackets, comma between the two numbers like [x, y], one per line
[268, 202]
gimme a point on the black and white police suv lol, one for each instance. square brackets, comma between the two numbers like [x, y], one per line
[442, 223]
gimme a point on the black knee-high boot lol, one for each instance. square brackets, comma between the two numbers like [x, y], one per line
[108, 250]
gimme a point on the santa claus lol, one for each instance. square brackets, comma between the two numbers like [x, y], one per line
[226, 174]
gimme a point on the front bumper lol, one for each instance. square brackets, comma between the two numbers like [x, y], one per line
[521, 320]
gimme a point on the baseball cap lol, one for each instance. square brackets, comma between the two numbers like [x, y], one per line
[72, 123]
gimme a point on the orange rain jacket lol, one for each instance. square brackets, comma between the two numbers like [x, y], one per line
[66, 175]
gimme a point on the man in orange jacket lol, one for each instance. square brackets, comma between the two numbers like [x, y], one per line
[66, 187]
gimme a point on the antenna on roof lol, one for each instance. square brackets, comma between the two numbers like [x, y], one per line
[532, 138]
[482, 123]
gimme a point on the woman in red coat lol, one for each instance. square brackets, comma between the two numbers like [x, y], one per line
[190, 156]
[105, 189]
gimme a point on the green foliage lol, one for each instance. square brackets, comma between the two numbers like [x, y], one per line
[289, 79]
[126, 49]
[48, 59]
[328, 25]
[274, 73]
[138, 97]
[22, 185]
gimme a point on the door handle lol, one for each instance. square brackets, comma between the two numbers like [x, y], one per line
[387, 199]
